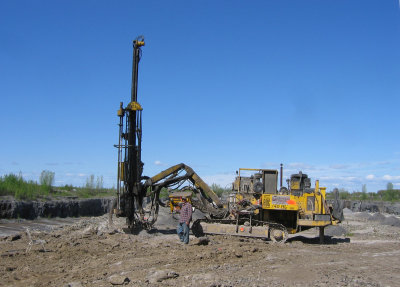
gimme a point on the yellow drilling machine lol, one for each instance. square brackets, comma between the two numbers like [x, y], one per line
[256, 207]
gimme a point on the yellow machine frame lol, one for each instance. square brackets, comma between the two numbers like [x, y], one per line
[306, 209]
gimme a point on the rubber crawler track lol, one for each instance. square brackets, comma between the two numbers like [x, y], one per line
[198, 232]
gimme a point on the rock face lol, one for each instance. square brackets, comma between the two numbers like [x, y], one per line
[371, 206]
[55, 208]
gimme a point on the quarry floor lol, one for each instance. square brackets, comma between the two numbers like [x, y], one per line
[89, 252]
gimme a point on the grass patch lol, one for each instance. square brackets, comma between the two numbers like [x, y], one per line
[20, 189]
[16, 186]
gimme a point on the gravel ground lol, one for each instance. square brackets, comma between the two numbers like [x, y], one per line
[89, 252]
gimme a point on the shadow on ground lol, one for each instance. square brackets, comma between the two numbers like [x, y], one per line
[315, 240]
[162, 231]
[151, 231]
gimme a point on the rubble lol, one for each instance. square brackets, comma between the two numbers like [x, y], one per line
[118, 280]
[377, 217]
[161, 275]
[335, 230]
[392, 221]
[74, 284]
[363, 215]
[90, 252]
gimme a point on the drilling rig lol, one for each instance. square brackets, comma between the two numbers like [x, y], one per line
[132, 186]
[258, 208]
[130, 190]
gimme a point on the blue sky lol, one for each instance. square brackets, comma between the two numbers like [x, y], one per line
[224, 84]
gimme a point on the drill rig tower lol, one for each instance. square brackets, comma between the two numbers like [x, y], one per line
[130, 190]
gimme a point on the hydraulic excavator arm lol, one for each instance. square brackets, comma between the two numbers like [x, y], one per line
[207, 201]
[170, 177]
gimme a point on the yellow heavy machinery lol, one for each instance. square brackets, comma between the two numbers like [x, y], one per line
[258, 209]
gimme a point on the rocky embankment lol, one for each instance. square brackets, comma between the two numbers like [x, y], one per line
[372, 206]
[11, 208]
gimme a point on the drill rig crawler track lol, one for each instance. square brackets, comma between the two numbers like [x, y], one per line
[240, 227]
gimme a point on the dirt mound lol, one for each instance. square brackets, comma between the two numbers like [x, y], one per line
[347, 211]
[362, 215]
[335, 230]
[392, 221]
[377, 217]
[166, 219]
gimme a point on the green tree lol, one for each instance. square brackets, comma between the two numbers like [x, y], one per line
[344, 194]
[164, 193]
[47, 178]
[99, 183]
[390, 195]
[218, 190]
[90, 182]
[364, 192]
[364, 188]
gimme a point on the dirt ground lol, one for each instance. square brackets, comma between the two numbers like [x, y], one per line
[88, 252]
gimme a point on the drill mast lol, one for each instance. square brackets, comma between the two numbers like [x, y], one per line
[130, 190]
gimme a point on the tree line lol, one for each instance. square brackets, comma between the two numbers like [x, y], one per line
[388, 194]
[15, 185]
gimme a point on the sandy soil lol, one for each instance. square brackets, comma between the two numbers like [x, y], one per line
[91, 253]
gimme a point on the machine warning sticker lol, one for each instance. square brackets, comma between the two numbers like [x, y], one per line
[266, 202]
[280, 200]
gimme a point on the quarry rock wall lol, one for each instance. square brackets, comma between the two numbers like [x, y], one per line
[11, 208]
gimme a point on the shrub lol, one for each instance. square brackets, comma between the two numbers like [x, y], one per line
[47, 178]
[15, 185]
[10, 184]
[218, 190]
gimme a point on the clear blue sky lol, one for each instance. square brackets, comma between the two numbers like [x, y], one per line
[224, 84]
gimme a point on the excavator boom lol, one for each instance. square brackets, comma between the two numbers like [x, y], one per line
[207, 200]
[170, 176]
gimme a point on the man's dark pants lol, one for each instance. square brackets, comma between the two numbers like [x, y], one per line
[183, 232]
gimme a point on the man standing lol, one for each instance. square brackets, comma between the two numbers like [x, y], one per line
[184, 220]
